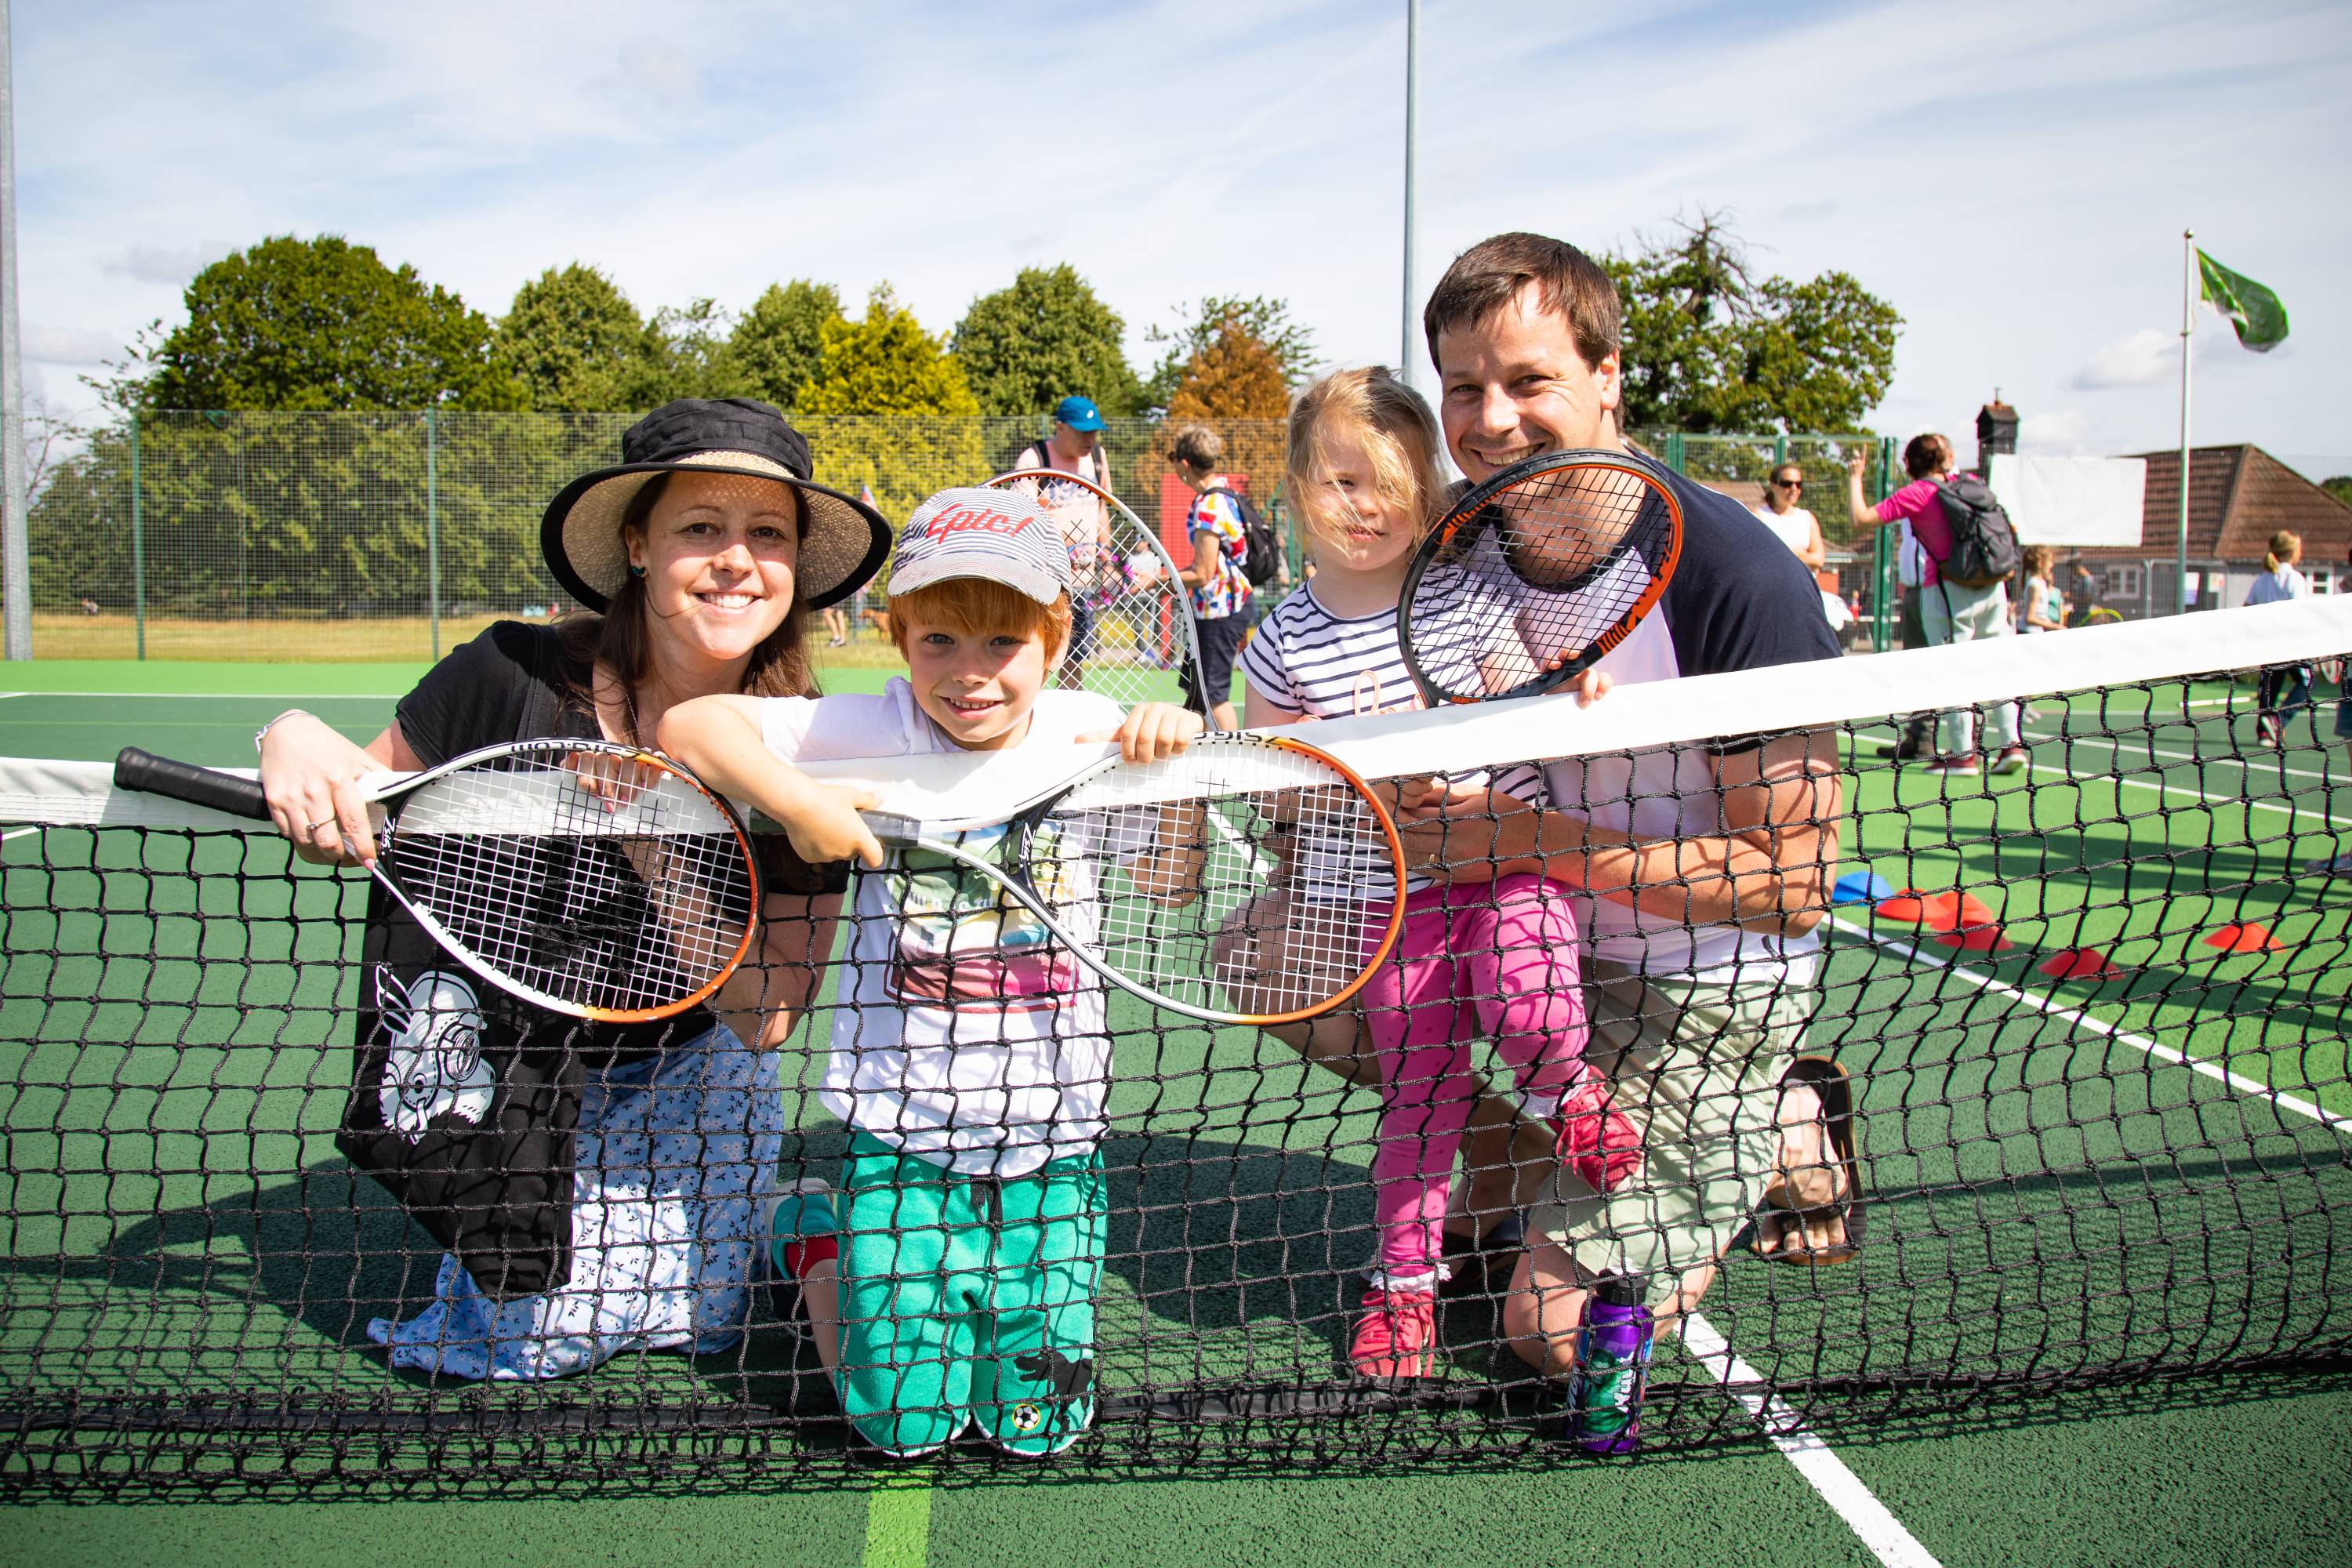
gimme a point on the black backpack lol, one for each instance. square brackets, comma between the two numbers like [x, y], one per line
[1261, 555]
[1984, 545]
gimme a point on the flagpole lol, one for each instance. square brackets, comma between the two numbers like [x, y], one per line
[1411, 115]
[2188, 325]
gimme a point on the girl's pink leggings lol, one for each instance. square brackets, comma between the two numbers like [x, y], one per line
[1496, 958]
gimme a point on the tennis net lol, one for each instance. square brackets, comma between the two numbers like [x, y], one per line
[2092, 1013]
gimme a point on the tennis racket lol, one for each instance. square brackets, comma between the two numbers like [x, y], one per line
[586, 877]
[1533, 575]
[1133, 617]
[1154, 875]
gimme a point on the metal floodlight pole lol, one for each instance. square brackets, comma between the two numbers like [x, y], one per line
[1411, 118]
[2188, 326]
[15, 554]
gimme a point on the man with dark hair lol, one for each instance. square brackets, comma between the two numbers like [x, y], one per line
[1705, 865]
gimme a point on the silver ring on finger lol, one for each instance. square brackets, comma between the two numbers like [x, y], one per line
[329, 821]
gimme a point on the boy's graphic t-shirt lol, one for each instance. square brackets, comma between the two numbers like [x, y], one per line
[964, 1033]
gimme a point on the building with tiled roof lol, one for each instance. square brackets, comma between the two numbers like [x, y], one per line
[2238, 497]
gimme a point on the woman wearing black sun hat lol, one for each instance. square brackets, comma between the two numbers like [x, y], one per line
[593, 1185]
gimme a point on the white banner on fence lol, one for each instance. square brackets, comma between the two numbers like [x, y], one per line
[2072, 501]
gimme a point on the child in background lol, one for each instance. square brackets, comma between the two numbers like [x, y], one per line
[951, 1279]
[2279, 583]
[1496, 957]
[2041, 607]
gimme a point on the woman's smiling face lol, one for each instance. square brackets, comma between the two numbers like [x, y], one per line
[719, 552]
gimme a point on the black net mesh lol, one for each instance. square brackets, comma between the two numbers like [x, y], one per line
[2090, 1013]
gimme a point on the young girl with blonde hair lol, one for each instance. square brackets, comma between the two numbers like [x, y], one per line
[1494, 958]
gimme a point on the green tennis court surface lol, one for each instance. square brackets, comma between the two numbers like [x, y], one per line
[2027, 1154]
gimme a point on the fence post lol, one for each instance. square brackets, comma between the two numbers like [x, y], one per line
[1780, 451]
[138, 546]
[432, 537]
[1675, 451]
[1887, 589]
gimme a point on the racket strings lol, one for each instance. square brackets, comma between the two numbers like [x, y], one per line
[1544, 575]
[605, 898]
[1252, 887]
[1134, 610]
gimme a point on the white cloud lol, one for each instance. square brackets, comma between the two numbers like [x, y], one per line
[2147, 355]
[68, 345]
[751, 142]
[2059, 433]
[173, 265]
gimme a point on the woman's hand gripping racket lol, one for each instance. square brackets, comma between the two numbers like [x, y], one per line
[1144, 870]
[1133, 618]
[584, 876]
[1536, 573]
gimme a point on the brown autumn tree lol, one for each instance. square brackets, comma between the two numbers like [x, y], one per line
[1236, 386]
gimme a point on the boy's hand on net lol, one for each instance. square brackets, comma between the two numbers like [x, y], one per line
[823, 825]
[1152, 732]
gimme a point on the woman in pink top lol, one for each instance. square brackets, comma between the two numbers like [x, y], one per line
[1950, 612]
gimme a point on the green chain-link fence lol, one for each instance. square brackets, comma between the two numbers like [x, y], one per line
[395, 536]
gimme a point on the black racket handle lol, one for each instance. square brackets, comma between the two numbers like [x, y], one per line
[892, 828]
[151, 774]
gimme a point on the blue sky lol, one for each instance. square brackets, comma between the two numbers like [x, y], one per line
[2014, 177]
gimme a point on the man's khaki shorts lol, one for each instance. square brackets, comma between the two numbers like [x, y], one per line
[1696, 1060]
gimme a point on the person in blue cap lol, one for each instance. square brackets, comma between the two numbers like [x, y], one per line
[1075, 447]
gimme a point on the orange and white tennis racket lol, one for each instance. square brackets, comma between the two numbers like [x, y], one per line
[1533, 575]
[1144, 872]
[1132, 618]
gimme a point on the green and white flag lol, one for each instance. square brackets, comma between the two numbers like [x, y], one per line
[2253, 310]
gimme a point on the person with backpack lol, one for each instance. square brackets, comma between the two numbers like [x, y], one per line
[1075, 447]
[1970, 553]
[1232, 551]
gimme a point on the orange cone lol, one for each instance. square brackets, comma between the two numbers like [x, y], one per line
[1937, 911]
[1984, 938]
[2244, 936]
[2078, 964]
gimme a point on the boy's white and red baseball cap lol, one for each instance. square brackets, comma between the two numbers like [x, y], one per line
[1001, 536]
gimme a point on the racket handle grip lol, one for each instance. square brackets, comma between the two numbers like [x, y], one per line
[892, 828]
[151, 774]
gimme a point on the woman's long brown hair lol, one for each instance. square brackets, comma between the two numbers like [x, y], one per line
[617, 639]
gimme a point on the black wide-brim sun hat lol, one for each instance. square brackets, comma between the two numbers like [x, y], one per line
[842, 547]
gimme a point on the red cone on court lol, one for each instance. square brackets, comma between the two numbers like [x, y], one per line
[2078, 964]
[1937, 911]
[2244, 936]
[1983, 938]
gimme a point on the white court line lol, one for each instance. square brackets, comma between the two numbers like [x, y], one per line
[2081, 1020]
[2308, 813]
[17, 832]
[1840, 1488]
[2267, 765]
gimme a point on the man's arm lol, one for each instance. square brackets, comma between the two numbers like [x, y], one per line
[1769, 871]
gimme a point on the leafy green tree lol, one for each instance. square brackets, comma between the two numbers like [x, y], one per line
[322, 323]
[1025, 348]
[1265, 318]
[2340, 487]
[1709, 348]
[779, 344]
[574, 340]
[885, 365]
[687, 353]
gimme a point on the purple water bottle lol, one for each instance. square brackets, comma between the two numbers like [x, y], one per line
[1612, 1367]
